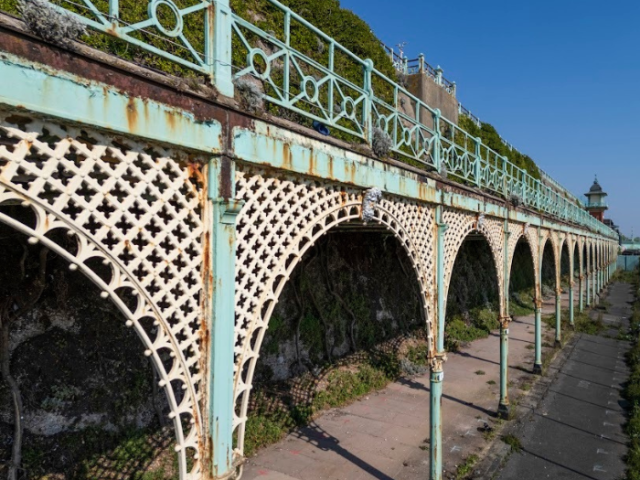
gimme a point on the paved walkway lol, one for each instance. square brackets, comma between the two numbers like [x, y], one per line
[576, 432]
[384, 435]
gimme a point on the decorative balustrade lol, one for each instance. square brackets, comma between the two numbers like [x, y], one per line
[234, 47]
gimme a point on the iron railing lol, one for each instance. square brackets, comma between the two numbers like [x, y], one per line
[234, 47]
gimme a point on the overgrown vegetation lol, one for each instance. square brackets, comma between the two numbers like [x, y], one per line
[583, 323]
[465, 469]
[491, 138]
[477, 323]
[513, 441]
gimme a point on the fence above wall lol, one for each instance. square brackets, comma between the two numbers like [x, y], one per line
[334, 91]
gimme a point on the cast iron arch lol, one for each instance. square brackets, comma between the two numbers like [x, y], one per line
[103, 193]
[314, 208]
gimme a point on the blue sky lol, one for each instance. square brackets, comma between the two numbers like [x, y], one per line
[559, 79]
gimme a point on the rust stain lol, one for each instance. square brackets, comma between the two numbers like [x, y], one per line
[312, 163]
[226, 182]
[286, 157]
[343, 198]
[331, 168]
[132, 114]
[145, 107]
[422, 191]
[171, 120]
[352, 172]
[194, 171]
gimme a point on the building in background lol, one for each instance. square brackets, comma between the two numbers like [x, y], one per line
[596, 205]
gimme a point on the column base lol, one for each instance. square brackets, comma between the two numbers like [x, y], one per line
[504, 411]
[537, 369]
[557, 343]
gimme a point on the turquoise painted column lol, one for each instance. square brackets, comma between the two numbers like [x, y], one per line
[558, 315]
[571, 300]
[571, 286]
[218, 46]
[587, 289]
[537, 364]
[435, 414]
[594, 284]
[581, 293]
[558, 298]
[222, 213]
[436, 364]
[503, 406]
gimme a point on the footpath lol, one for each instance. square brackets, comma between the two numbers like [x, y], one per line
[385, 435]
[576, 431]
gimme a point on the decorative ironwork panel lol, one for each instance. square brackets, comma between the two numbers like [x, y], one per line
[177, 30]
[516, 232]
[134, 211]
[282, 218]
[459, 225]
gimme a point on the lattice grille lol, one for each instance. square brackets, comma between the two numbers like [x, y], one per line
[459, 225]
[519, 231]
[135, 212]
[532, 239]
[283, 217]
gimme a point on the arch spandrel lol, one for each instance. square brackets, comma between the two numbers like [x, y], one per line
[136, 209]
[459, 225]
[283, 216]
[531, 234]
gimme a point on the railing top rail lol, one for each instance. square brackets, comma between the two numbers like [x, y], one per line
[413, 138]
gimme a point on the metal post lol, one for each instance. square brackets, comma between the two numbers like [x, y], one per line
[537, 365]
[436, 141]
[581, 293]
[435, 415]
[437, 374]
[571, 284]
[222, 218]
[587, 289]
[571, 300]
[478, 165]
[503, 407]
[558, 298]
[558, 315]
[218, 47]
[368, 101]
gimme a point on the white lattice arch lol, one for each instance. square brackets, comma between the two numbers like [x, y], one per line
[272, 241]
[547, 236]
[107, 195]
[459, 226]
[518, 231]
